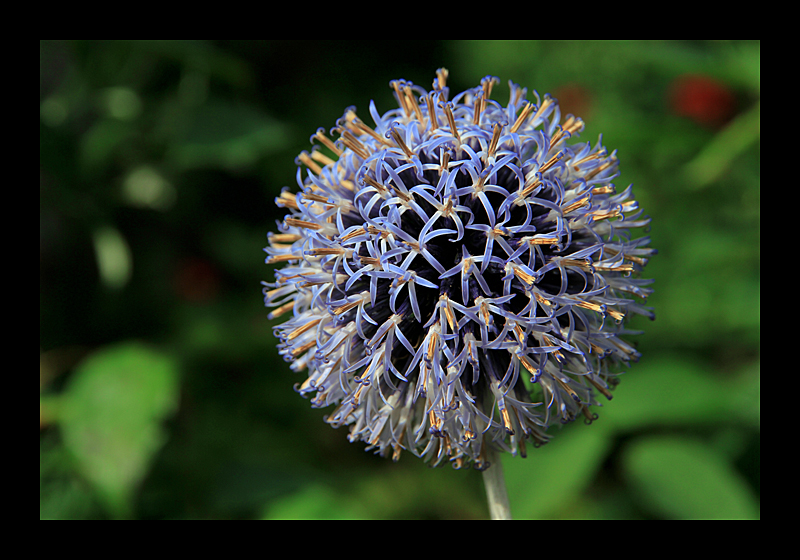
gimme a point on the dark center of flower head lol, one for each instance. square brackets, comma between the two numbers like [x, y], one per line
[458, 274]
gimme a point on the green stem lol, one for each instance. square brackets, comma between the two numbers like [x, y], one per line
[495, 484]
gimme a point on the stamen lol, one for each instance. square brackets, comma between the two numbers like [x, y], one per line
[471, 357]
[384, 234]
[484, 309]
[441, 78]
[602, 215]
[573, 124]
[400, 97]
[436, 423]
[558, 136]
[545, 104]
[432, 112]
[413, 245]
[507, 421]
[445, 163]
[523, 452]
[448, 112]
[495, 139]
[520, 334]
[322, 158]
[363, 128]
[524, 276]
[373, 183]
[476, 114]
[606, 393]
[568, 389]
[448, 312]
[328, 142]
[478, 187]
[526, 110]
[354, 144]
[583, 264]
[523, 194]
[611, 161]
[396, 449]
[365, 297]
[346, 307]
[608, 189]
[590, 417]
[308, 162]
[326, 251]
[351, 235]
[552, 161]
[401, 144]
[282, 309]
[300, 330]
[282, 258]
[357, 396]
[526, 362]
[516, 95]
[542, 301]
[543, 241]
[622, 345]
[487, 83]
[412, 102]
[567, 129]
[294, 222]
[284, 237]
[625, 267]
[286, 199]
[432, 344]
[316, 198]
[616, 315]
[596, 155]
[590, 305]
[305, 347]
[557, 353]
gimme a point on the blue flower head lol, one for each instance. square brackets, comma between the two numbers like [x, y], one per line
[457, 275]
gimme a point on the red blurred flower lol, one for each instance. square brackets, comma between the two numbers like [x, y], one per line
[196, 280]
[575, 99]
[702, 99]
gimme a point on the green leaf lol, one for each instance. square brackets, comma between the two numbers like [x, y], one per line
[684, 479]
[227, 135]
[718, 155]
[316, 501]
[552, 477]
[111, 417]
[665, 390]
[99, 144]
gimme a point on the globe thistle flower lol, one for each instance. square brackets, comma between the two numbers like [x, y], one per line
[458, 274]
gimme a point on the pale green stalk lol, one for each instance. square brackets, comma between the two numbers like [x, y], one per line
[495, 483]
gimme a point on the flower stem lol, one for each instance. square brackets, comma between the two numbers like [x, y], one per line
[495, 484]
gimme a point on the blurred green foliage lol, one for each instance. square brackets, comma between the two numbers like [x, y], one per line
[161, 392]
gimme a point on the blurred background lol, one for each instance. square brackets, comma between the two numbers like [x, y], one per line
[161, 392]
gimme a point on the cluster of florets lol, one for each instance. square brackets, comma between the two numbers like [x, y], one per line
[458, 275]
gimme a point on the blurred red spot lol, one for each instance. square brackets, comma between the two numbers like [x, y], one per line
[196, 280]
[574, 99]
[702, 99]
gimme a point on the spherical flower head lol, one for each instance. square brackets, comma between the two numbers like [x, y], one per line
[458, 274]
